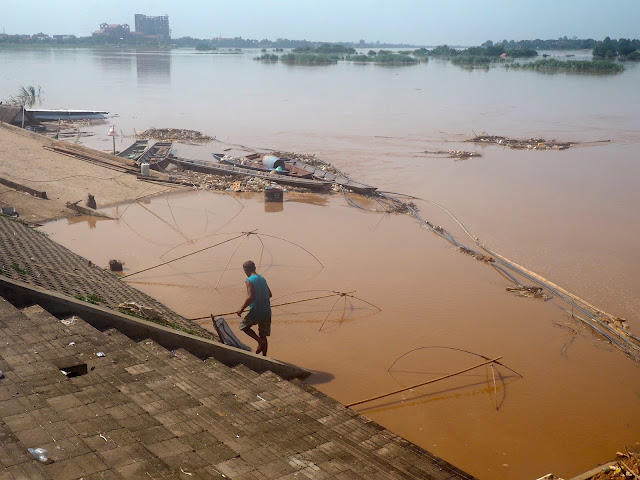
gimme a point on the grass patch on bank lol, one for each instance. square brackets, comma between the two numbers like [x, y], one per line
[92, 298]
[19, 269]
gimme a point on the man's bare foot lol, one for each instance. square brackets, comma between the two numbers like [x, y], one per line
[261, 346]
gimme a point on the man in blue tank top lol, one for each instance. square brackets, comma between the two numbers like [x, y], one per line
[259, 303]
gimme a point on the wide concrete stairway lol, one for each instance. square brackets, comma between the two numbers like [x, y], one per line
[106, 407]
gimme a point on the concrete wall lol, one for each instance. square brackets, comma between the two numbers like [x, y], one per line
[103, 318]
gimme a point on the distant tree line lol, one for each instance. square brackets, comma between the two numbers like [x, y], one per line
[624, 49]
[73, 41]
[562, 43]
[487, 49]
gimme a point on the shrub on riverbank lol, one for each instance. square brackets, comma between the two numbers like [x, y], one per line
[443, 51]
[384, 57]
[267, 57]
[521, 53]
[309, 59]
[203, 47]
[472, 60]
[623, 48]
[553, 65]
[326, 48]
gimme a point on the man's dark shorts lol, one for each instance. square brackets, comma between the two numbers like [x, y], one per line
[262, 320]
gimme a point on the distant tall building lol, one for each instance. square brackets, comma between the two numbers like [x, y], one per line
[157, 26]
[118, 31]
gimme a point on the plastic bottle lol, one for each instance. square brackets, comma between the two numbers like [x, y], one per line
[39, 454]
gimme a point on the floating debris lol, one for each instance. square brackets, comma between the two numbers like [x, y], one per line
[173, 134]
[527, 144]
[461, 154]
[228, 183]
[306, 158]
[478, 256]
[529, 292]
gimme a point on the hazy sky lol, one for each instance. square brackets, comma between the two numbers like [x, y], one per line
[426, 22]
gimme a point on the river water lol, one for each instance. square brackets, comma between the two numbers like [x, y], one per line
[570, 216]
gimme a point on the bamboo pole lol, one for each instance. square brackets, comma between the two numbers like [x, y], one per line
[183, 256]
[276, 305]
[495, 388]
[422, 384]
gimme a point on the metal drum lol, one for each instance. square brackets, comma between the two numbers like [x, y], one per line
[273, 162]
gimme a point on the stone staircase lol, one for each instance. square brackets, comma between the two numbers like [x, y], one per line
[107, 407]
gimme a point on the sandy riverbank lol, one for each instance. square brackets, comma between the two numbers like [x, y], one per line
[24, 160]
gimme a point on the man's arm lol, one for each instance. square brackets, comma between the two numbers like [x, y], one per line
[249, 299]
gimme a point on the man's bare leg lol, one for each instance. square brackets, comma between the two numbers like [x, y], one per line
[263, 348]
[258, 339]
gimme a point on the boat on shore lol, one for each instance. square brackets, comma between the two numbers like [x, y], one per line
[135, 150]
[66, 114]
[157, 156]
[252, 162]
[320, 174]
[221, 169]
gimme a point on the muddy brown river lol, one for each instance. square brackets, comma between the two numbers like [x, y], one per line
[418, 309]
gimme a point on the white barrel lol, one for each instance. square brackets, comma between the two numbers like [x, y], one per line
[144, 169]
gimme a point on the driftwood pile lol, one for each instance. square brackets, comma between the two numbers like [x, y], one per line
[173, 135]
[529, 292]
[478, 256]
[527, 144]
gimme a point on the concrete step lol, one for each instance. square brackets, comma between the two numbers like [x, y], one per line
[245, 372]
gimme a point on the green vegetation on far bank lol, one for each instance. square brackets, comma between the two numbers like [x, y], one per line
[485, 50]
[309, 58]
[328, 54]
[326, 48]
[386, 57]
[203, 47]
[553, 65]
[623, 49]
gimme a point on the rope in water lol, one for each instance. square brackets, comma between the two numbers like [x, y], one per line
[630, 347]
[422, 384]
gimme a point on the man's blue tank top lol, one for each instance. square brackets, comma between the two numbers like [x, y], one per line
[261, 301]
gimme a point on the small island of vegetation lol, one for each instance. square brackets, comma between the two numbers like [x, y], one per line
[489, 53]
[327, 54]
[554, 65]
[386, 57]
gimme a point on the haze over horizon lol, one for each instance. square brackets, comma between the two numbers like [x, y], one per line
[456, 22]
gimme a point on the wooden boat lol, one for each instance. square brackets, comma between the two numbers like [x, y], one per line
[134, 151]
[65, 114]
[341, 180]
[157, 156]
[220, 169]
[253, 164]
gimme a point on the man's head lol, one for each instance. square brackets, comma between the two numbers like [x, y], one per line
[249, 268]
